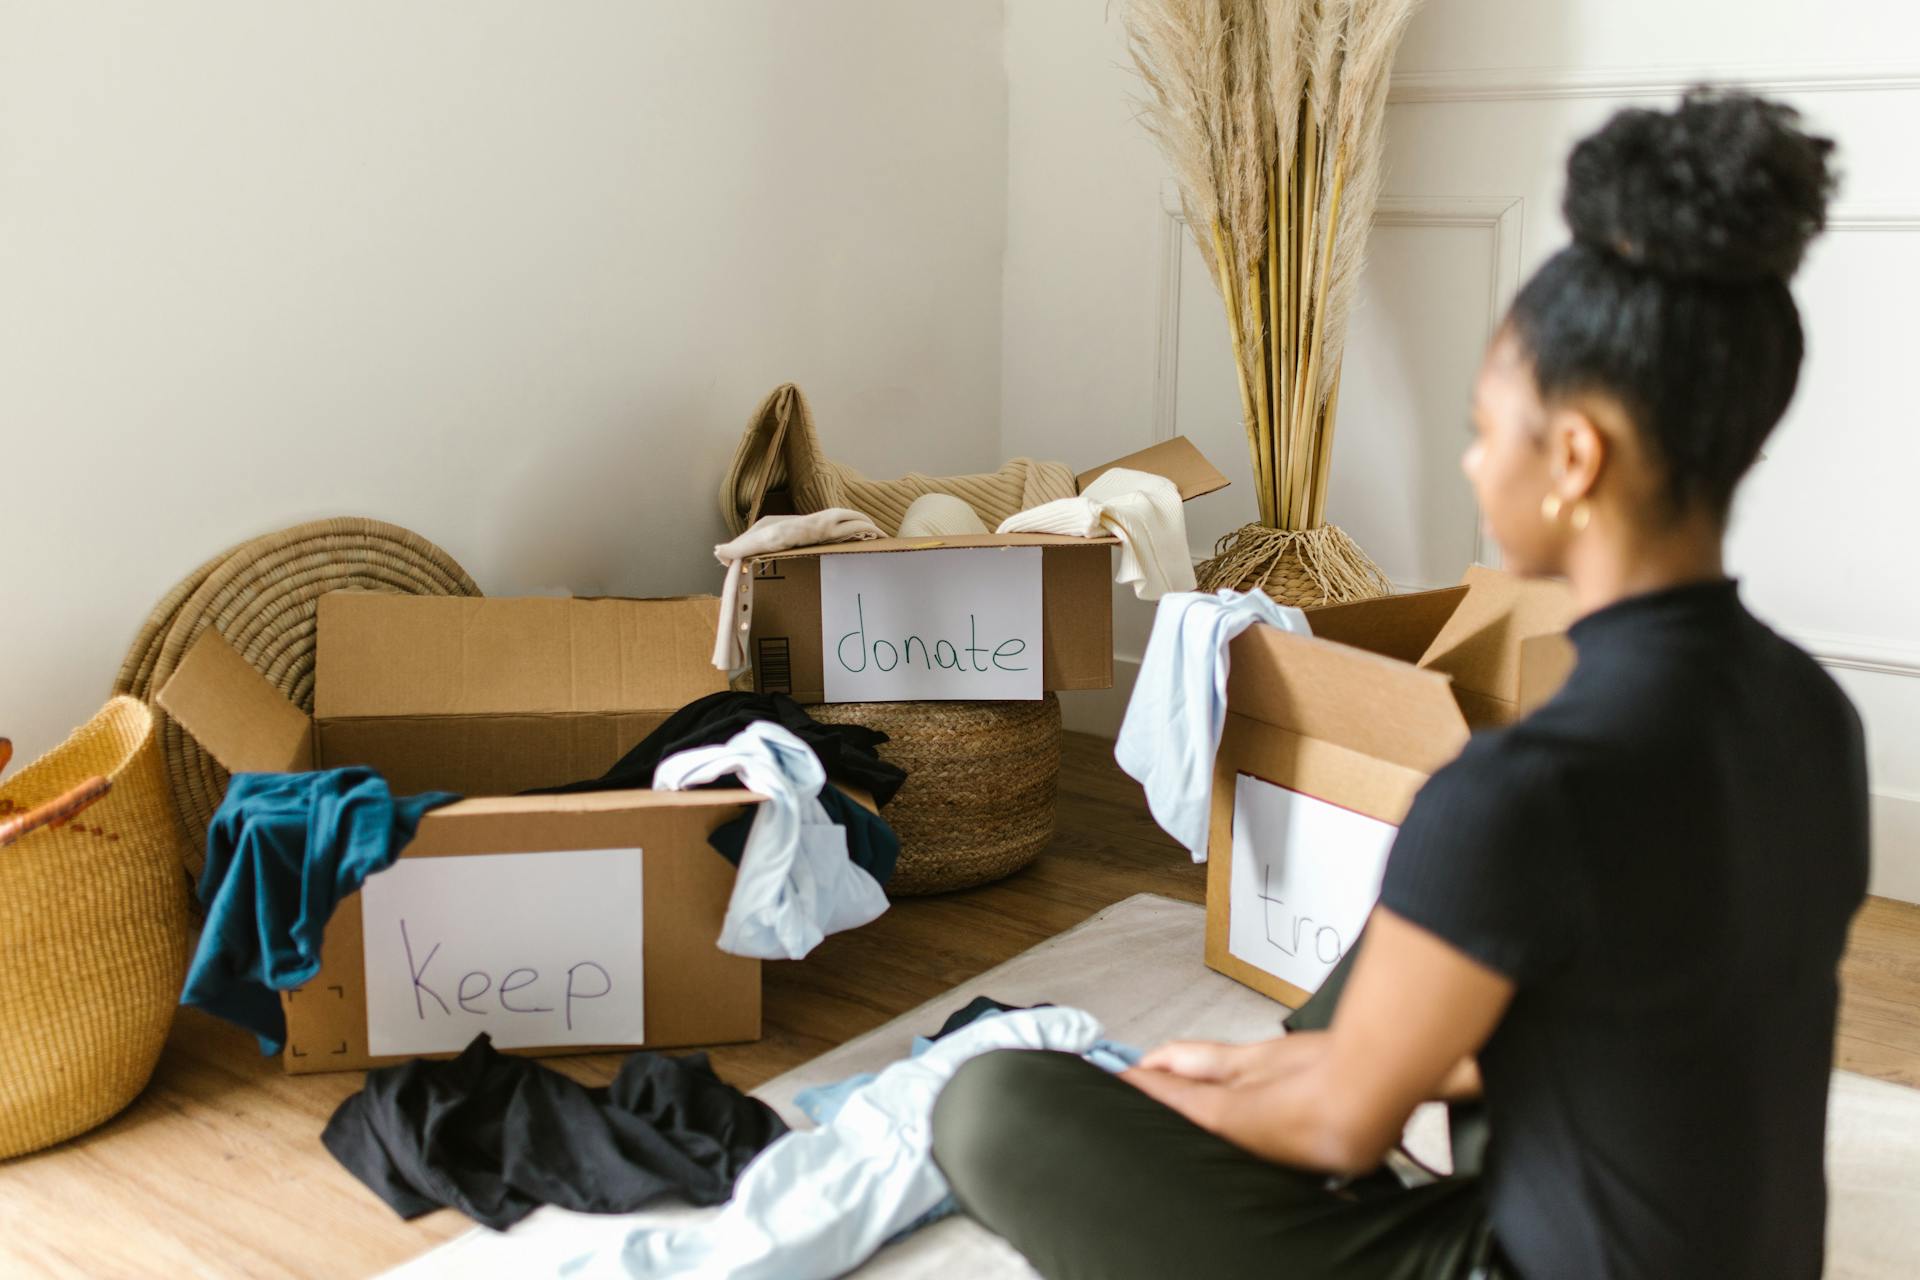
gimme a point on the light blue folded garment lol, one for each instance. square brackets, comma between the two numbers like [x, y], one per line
[822, 1103]
[819, 1202]
[1171, 731]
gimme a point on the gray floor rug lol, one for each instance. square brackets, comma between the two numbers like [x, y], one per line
[1137, 967]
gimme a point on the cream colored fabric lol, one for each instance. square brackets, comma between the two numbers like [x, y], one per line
[736, 618]
[770, 534]
[782, 450]
[1141, 509]
[940, 515]
[781, 533]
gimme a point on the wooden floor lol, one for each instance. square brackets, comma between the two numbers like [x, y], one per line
[218, 1171]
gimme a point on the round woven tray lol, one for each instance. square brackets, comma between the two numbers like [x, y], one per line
[264, 596]
[981, 781]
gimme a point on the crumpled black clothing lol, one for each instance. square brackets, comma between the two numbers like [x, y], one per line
[871, 843]
[496, 1136]
[846, 751]
[976, 1009]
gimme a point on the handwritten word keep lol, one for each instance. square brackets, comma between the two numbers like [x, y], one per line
[517, 991]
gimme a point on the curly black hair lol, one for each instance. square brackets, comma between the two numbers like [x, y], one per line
[1673, 297]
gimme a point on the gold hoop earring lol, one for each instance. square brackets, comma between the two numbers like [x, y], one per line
[1550, 508]
[1580, 516]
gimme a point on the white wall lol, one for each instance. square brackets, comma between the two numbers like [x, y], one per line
[509, 274]
[1113, 337]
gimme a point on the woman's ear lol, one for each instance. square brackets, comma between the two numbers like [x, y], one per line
[1577, 451]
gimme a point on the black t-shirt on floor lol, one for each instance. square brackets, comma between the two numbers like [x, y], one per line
[1664, 859]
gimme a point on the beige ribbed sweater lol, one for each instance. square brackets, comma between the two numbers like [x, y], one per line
[782, 449]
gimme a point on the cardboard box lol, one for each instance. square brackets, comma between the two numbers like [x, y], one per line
[1348, 724]
[489, 697]
[1076, 593]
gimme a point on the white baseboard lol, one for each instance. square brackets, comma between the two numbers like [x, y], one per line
[1099, 711]
[1896, 816]
[1896, 847]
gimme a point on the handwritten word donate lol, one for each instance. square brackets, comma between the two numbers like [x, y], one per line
[943, 655]
[943, 623]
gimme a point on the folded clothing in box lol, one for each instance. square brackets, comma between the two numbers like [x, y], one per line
[846, 751]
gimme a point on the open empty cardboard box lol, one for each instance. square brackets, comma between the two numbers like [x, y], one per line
[1076, 591]
[487, 698]
[1359, 714]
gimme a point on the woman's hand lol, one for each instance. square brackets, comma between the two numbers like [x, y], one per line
[1209, 1082]
[1214, 1062]
[1201, 1059]
[1414, 1012]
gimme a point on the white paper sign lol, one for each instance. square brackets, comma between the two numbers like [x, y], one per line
[1305, 875]
[532, 948]
[896, 626]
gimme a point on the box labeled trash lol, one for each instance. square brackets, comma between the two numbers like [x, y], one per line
[1327, 739]
[554, 923]
[972, 616]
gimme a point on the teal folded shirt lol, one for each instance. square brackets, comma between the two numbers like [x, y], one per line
[282, 850]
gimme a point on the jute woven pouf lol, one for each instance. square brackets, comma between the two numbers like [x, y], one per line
[93, 934]
[981, 781]
[264, 597]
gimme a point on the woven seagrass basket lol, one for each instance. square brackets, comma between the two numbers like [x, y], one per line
[981, 782]
[93, 933]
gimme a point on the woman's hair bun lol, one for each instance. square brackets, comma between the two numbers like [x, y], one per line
[1726, 186]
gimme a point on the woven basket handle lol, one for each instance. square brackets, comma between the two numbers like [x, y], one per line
[56, 812]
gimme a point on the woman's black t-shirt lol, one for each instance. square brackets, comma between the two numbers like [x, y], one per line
[1664, 859]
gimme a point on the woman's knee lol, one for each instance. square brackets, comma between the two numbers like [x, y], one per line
[984, 1120]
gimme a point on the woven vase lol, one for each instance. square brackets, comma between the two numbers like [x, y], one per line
[1303, 568]
[93, 934]
[982, 778]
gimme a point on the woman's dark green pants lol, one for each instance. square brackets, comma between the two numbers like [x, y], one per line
[1088, 1177]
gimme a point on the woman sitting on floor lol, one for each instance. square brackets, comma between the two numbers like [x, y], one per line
[1624, 913]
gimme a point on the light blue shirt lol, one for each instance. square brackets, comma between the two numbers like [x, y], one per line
[822, 1103]
[1172, 727]
[796, 883]
[818, 1203]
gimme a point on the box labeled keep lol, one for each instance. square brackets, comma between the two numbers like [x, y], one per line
[531, 917]
[976, 616]
[1329, 737]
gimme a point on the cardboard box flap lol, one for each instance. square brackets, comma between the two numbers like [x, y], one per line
[1545, 664]
[231, 710]
[1480, 645]
[1336, 693]
[1176, 459]
[391, 655]
[957, 541]
[1399, 626]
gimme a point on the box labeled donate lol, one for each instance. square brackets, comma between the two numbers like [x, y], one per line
[553, 923]
[968, 616]
[1328, 738]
